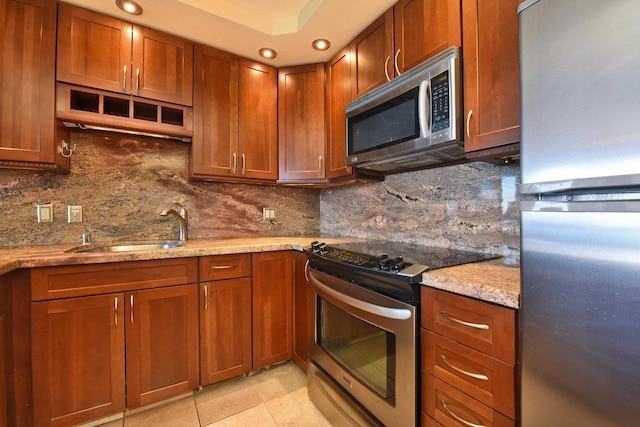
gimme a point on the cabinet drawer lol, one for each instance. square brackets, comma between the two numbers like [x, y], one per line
[451, 407]
[486, 327]
[220, 267]
[93, 279]
[485, 378]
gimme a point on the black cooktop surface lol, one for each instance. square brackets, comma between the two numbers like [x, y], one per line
[431, 256]
[391, 268]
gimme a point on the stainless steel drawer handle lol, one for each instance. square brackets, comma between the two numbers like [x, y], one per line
[462, 322]
[206, 298]
[223, 267]
[462, 371]
[131, 307]
[461, 420]
[115, 307]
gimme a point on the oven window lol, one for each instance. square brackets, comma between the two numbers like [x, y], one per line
[364, 350]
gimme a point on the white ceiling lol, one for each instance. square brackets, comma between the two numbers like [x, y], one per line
[245, 26]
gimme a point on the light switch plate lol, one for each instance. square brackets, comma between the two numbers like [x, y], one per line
[74, 213]
[45, 213]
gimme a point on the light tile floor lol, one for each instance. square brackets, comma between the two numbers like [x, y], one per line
[270, 398]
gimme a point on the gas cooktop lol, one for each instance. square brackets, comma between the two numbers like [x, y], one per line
[392, 268]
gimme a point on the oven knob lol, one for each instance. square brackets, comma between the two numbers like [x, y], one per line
[322, 248]
[314, 246]
[397, 264]
[382, 262]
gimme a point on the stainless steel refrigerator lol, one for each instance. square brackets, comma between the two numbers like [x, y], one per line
[579, 363]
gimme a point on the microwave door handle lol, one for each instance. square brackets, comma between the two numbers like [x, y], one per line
[424, 112]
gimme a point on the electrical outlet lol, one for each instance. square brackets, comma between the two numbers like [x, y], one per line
[45, 213]
[268, 214]
[74, 214]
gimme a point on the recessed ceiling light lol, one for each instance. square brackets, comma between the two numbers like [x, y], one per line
[321, 44]
[129, 6]
[268, 53]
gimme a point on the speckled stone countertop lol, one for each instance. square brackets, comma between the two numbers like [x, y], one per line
[54, 255]
[492, 281]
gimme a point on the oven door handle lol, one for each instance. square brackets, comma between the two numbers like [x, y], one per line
[387, 312]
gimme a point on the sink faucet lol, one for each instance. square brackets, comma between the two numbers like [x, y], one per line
[181, 216]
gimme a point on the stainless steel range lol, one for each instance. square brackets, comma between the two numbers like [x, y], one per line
[364, 307]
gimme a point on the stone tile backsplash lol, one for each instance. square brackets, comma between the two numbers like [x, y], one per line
[124, 182]
[468, 206]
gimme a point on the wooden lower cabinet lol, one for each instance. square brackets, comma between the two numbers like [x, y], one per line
[161, 343]
[467, 361]
[78, 359]
[272, 308]
[301, 331]
[87, 350]
[225, 328]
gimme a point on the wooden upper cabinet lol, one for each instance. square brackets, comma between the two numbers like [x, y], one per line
[93, 49]
[103, 52]
[301, 122]
[235, 119]
[406, 35]
[28, 134]
[424, 28]
[258, 138]
[214, 149]
[338, 95]
[162, 66]
[372, 56]
[491, 75]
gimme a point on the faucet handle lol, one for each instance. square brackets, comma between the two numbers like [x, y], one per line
[181, 210]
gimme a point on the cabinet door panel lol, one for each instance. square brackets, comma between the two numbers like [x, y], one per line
[338, 87]
[258, 142]
[301, 122]
[27, 85]
[214, 150]
[162, 66]
[162, 343]
[272, 306]
[424, 28]
[371, 51]
[225, 324]
[491, 73]
[78, 359]
[93, 49]
[301, 329]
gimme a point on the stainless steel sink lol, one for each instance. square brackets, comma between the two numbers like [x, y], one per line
[128, 247]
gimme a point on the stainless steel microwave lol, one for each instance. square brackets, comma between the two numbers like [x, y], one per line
[411, 122]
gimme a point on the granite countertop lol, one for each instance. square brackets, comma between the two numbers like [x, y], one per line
[493, 281]
[53, 255]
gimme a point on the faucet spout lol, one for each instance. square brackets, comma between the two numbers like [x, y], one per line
[181, 216]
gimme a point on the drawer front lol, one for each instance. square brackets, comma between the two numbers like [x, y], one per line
[220, 267]
[486, 327]
[427, 421]
[485, 378]
[94, 279]
[451, 407]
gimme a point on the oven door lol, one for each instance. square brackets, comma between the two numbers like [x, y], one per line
[365, 343]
